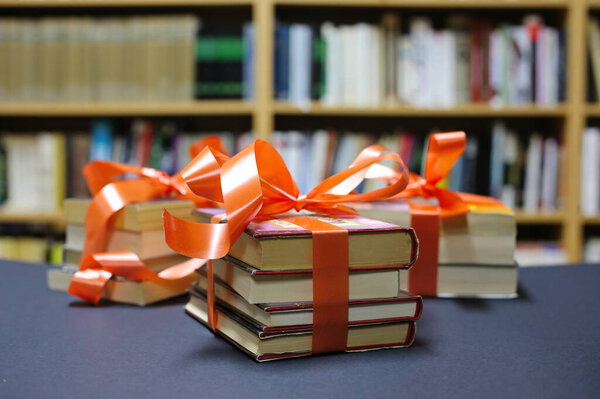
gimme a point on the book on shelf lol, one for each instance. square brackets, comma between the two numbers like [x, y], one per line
[591, 250]
[23, 248]
[590, 172]
[224, 61]
[472, 59]
[35, 171]
[265, 304]
[540, 253]
[104, 59]
[524, 169]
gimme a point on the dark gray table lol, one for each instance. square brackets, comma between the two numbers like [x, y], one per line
[545, 344]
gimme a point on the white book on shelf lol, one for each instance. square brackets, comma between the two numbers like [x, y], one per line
[300, 63]
[363, 62]
[319, 146]
[590, 172]
[447, 71]
[511, 150]
[533, 174]
[333, 64]
[497, 157]
[407, 73]
[521, 85]
[390, 24]
[496, 66]
[421, 34]
[549, 175]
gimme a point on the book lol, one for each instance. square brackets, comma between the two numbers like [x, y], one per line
[145, 243]
[72, 258]
[277, 244]
[298, 315]
[136, 217]
[473, 281]
[260, 286]
[139, 293]
[262, 346]
[484, 236]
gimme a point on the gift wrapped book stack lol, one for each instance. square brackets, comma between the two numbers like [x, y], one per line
[467, 241]
[291, 274]
[264, 287]
[137, 228]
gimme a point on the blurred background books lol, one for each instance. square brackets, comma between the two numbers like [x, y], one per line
[138, 82]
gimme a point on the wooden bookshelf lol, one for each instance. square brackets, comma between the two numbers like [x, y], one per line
[56, 219]
[571, 117]
[468, 110]
[217, 107]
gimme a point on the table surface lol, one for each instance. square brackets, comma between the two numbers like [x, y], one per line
[545, 344]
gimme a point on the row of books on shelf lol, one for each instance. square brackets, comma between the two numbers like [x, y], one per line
[31, 249]
[522, 171]
[126, 58]
[472, 59]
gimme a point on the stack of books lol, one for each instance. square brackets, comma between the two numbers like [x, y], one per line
[137, 228]
[264, 287]
[476, 251]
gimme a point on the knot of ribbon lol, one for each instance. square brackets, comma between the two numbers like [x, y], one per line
[256, 183]
[113, 186]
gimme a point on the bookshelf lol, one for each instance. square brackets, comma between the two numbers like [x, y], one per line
[570, 117]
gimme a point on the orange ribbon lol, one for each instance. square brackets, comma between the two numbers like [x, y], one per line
[101, 267]
[256, 183]
[443, 150]
[110, 195]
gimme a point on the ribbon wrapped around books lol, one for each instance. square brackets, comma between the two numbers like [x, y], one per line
[111, 193]
[256, 183]
[443, 150]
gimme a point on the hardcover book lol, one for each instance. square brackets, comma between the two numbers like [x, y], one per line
[280, 316]
[139, 293]
[139, 216]
[260, 286]
[251, 338]
[278, 244]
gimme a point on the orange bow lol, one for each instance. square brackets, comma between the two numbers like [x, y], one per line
[443, 150]
[256, 182]
[110, 195]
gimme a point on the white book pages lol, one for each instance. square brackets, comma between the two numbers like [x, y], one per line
[533, 171]
[333, 64]
[590, 172]
[549, 175]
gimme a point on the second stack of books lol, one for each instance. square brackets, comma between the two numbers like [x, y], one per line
[264, 287]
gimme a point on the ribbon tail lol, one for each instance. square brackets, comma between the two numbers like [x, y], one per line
[196, 240]
[89, 284]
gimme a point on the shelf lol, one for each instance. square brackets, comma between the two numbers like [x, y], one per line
[56, 219]
[539, 218]
[593, 110]
[594, 4]
[472, 110]
[120, 3]
[591, 220]
[430, 3]
[212, 107]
